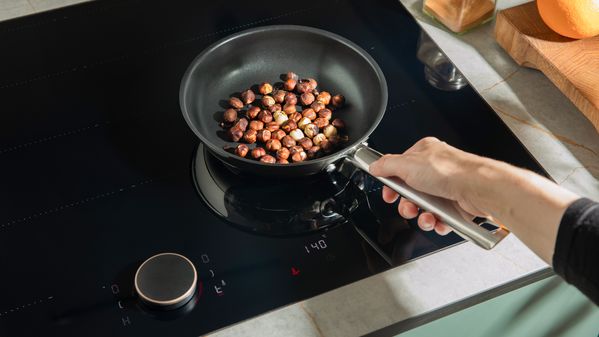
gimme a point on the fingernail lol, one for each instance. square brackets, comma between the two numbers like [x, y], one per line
[427, 225]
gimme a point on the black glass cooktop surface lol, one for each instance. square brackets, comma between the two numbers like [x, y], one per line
[99, 171]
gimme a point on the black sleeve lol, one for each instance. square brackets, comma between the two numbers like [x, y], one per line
[576, 256]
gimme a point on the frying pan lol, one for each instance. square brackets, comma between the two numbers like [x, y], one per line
[243, 59]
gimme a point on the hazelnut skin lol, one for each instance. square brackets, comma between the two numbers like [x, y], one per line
[279, 96]
[324, 97]
[273, 145]
[319, 138]
[311, 130]
[289, 108]
[313, 152]
[287, 141]
[317, 106]
[241, 124]
[235, 102]
[242, 150]
[235, 134]
[313, 83]
[253, 112]
[291, 75]
[303, 87]
[282, 161]
[258, 152]
[338, 123]
[268, 159]
[337, 101]
[326, 114]
[272, 126]
[230, 115]
[275, 108]
[265, 88]
[296, 117]
[283, 153]
[289, 126]
[307, 98]
[306, 143]
[290, 98]
[299, 156]
[321, 122]
[265, 116]
[263, 136]
[267, 101]
[330, 131]
[256, 125]
[290, 84]
[248, 96]
[296, 134]
[277, 134]
[309, 113]
[295, 149]
[326, 146]
[250, 136]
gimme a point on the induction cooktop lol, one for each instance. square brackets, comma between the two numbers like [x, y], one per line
[103, 183]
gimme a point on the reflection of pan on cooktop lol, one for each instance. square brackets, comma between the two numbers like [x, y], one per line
[275, 206]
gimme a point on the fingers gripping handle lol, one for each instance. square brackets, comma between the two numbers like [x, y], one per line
[444, 209]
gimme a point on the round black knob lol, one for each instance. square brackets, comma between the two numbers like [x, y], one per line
[166, 281]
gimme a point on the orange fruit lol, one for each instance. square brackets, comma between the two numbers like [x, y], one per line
[577, 19]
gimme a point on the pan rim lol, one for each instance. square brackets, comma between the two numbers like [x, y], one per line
[222, 154]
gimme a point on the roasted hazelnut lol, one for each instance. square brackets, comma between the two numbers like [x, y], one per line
[289, 126]
[277, 134]
[313, 152]
[290, 98]
[273, 145]
[321, 122]
[318, 138]
[250, 136]
[313, 83]
[310, 130]
[256, 125]
[324, 97]
[242, 150]
[306, 143]
[263, 136]
[265, 88]
[275, 108]
[267, 101]
[282, 161]
[289, 108]
[283, 153]
[235, 134]
[303, 122]
[258, 152]
[309, 113]
[338, 123]
[330, 131]
[326, 114]
[272, 126]
[296, 116]
[279, 96]
[235, 102]
[317, 106]
[303, 86]
[230, 115]
[248, 96]
[241, 124]
[290, 84]
[337, 101]
[326, 146]
[287, 141]
[299, 156]
[268, 159]
[297, 134]
[295, 149]
[265, 116]
[280, 117]
[253, 112]
[291, 75]
[307, 98]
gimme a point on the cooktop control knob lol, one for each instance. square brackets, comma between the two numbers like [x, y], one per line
[166, 281]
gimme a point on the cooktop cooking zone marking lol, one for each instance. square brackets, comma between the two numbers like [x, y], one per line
[24, 306]
[49, 138]
[152, 50]
[74, 204]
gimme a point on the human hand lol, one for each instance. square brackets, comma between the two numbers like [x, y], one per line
[436, 168]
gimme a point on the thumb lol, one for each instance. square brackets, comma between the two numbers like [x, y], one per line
[390, 165]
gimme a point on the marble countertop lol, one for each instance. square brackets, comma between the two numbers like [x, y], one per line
[550, 127]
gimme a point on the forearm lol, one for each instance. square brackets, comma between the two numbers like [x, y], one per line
[530, 205]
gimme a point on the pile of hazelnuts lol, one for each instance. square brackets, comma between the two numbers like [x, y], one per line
[291, 123]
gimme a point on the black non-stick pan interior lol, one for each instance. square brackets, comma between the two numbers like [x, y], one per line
[264, 54]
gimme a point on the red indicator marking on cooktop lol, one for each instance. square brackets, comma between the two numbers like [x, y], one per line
[294, 271]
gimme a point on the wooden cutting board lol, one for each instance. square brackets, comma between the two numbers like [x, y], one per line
[572, 65]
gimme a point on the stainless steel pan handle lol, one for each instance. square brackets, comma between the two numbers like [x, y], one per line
[445, 209]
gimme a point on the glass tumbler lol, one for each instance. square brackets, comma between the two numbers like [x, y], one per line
[460, 15]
